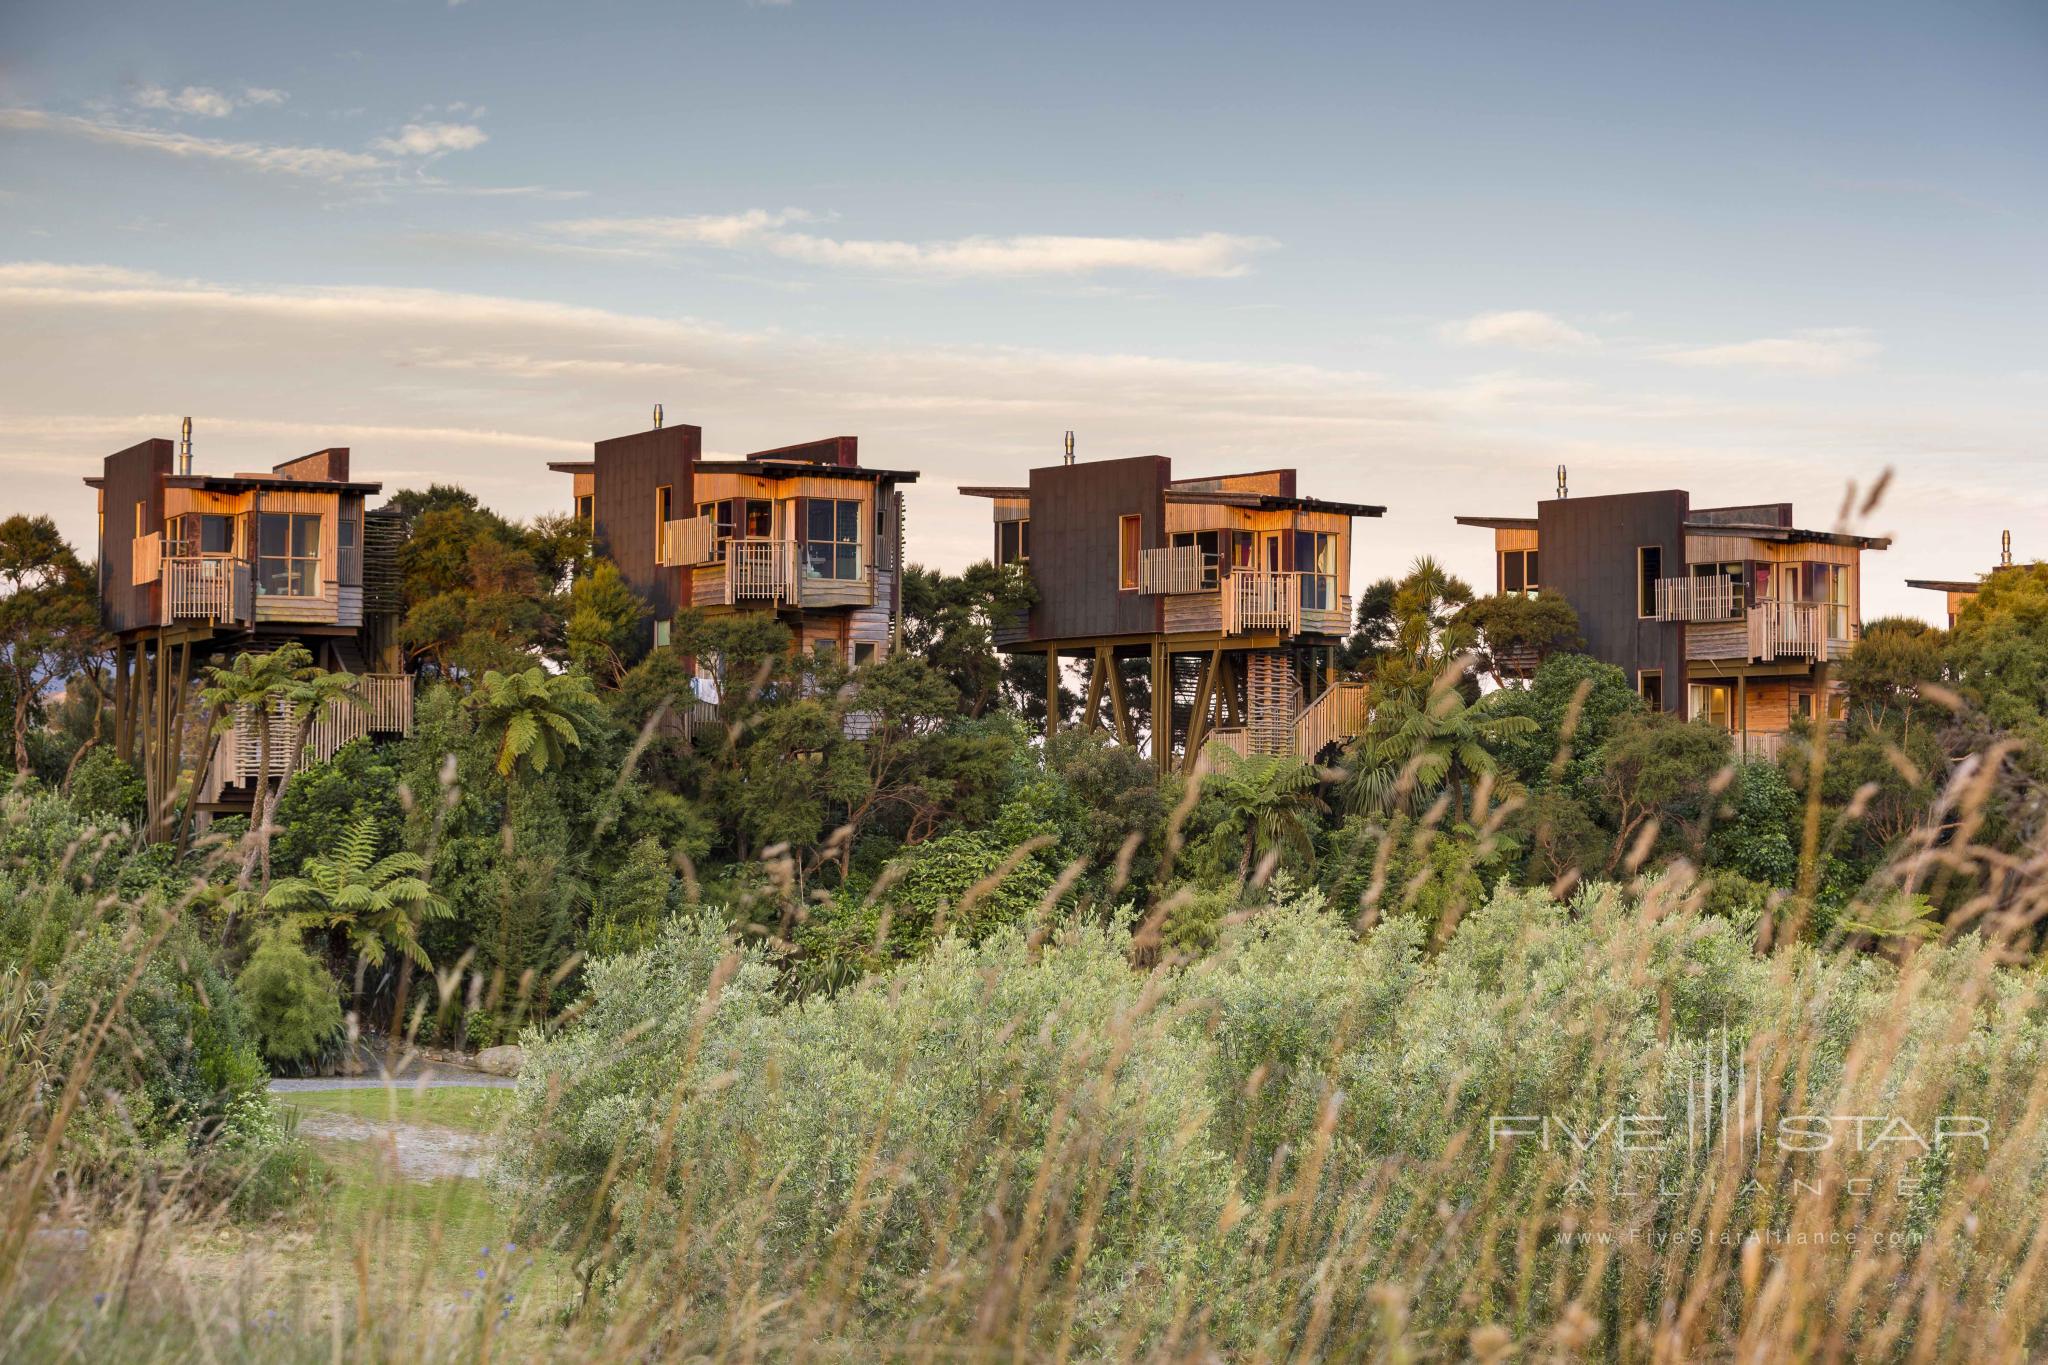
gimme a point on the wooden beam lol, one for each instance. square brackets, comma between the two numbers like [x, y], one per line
[1093, 704]
[1052, 693]
[1162, 707]
[1118, 706]
[1205, 693]
[1742, 713]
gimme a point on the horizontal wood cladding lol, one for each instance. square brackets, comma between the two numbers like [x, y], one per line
[1192, 611]
[1075, 510]
[1717, 640]
[1719, 549]
[707, 585]
[1589, 550]
[629, 470]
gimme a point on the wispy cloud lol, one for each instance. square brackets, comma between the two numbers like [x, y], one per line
[1213, 255]
[203, 101]
[1829, 350]
[1524, 328]
[433, 139]
[326, 163]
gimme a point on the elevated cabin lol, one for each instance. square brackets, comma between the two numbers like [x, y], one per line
[1234, 590]
[198, 567]
[1730, 614]
[804, 531]
[1960, 592]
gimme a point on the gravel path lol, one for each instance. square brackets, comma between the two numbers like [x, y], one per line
[435, 1077]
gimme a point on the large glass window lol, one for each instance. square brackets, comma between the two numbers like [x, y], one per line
[1730, 573]
[201, 533]
[288, 554]
[1518, 571]
[832, 538]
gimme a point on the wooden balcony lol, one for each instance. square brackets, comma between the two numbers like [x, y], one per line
[760, 570]
[1812, 631]
[776, 572]
[206, 588]
[1256, 601]
[1715, 598]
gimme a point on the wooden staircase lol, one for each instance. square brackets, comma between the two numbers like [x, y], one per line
[1278, 724]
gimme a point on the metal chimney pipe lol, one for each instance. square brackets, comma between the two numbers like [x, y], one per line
[1563, 489]
[185, 448]
[1070, 448]
[657, 416]
[2005, 549]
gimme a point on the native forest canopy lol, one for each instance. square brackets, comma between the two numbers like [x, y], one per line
[855, 1017]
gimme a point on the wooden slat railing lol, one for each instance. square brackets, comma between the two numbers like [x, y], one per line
[760, 570]
[204, 588]
[1716, 598]
[1785, 630]
[1334, 717]
[146, 559]
[1176, 569]
[690, 540]
[1257, 600]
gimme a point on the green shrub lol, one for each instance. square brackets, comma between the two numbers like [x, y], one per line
[294, 1005]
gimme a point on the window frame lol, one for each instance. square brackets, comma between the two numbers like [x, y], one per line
[1018, 533]
[844, 556]
[664, 512]
[1649, 568]
[1643, 675]
[300, 570]
[1130, 547]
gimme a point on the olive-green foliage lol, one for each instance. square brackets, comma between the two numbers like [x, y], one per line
[326, 800]
[1300, 1085]
[1553, 701]
[294, 1005]
[104, 786]
[631, 907]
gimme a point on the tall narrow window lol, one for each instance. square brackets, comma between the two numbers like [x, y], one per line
[664, 508]
[1650, 683]
[1129, 540]
[1511, 571]
[1649, 568]
[1013, 542]
[586, 509]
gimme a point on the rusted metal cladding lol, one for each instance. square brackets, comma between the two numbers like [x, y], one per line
[630, 472]
[135, 475]
[1076, 511]
[1589, 548]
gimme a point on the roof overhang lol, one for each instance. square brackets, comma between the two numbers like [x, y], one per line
[573, 466]
[1788, 535]
[1500, 523]
[989, 490]
[1273, 502]
[1945, 584]
[236, 483]
[803, 469]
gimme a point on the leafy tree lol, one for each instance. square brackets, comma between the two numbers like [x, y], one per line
[1889, 670]
[921, 766]
[1518, 633]
[49, 617]
[328, 799]
[1656, 768]
[375, 900]
[294, 1005]
[949, 621]
[605, 617]
[105, 786]
[1116, 794]
[1758, 833]
[1575, 701]
[629, 912]
[1423, 631]
[1998, 651]
[474, 591]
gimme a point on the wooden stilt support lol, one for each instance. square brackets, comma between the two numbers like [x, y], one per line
[123, 735]
[1162, 707]
[1093, 704]
[1205, 693]
[1117, 704]
[1052, 692]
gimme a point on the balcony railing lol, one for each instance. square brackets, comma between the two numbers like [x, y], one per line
[691, 540]
[1715, 598]
[206, 588]
[1177, 569]
[1256, 600]
[760, 570]
[1799, 630]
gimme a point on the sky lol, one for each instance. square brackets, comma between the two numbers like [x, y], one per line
[1423, 252]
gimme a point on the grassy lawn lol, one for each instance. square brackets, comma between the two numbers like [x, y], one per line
[471, 1109]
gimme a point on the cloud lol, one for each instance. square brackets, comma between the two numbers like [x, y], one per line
[432, 139]
[203, 101]
[1829, 350]
[1213, 255]
[198, 100]
[480, 389]
[325, 163]
[1524, 328]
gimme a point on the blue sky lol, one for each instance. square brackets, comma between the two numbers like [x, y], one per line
[1425, 252]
